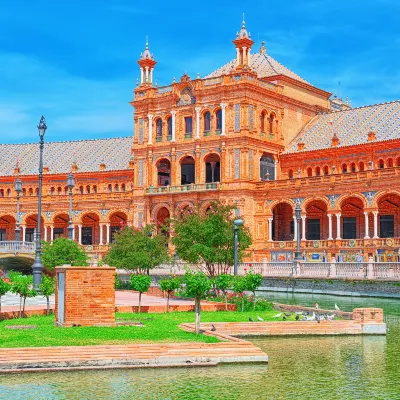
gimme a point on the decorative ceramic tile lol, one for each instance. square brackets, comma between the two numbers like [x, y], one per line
[140, 173]
[237, 163]
[250, 164]
[141, 134]
[251, 116]
[237, 117]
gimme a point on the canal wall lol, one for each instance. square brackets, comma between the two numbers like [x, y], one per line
[336, 287]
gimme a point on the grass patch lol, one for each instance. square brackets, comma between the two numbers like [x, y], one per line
[158, 328]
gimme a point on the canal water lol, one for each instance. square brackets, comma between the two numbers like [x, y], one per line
[300, 368]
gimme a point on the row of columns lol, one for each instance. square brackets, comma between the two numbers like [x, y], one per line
[173, 123]
[146, 75]
[330, 234]
[245, 56]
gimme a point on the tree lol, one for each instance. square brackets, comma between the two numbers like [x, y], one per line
[63, 251]
[22, 285]
[140, 283]
[252, 282]
[239, 286]
[48, 288]
[224, 283]
[169, 285]
[207, 238]
[197, 286]
[4, 289]
[138, 249]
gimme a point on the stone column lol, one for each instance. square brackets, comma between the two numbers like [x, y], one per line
[375, 224]
[51, 233]
[80, 233]
[108, 234]
[366, 225]
[141, 75]
[303, 227]
[330, 227]
[237, 57]
[45, 233]
[173, 114]
[270, 222]
[244, 54]
[150, 129]
[151, 75]
[212, 164]
[147, 74]
[23, 233]
[338, 237]
[198, 122]
[101, 235]
[223, 115]
[295, 228]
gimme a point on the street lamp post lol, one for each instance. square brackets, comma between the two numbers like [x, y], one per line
[70, 185]
[236, 223]
[297, 254]
[18, 189]
[37, 267]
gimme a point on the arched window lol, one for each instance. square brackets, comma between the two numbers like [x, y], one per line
[344, 168]
[218, 116]
[290, 174]
[9, 192]
[159, 130]
[381, 164]
[262, 122]
[23, 192]
[390, 162]
[30, 192]
[94, 189]
[123, 188]
[353, 167]
[117, 187]
[66, 190]
[398, 162]
[52, 191]
[1, 192]
[169, 126]
[88, 189]
[361, 166]
[207, 122]
[317, 171]
[110, 188]
[309, 171]
[326, 170]
[81, 189]
[267, 167]
[37, 191]
[59, 191]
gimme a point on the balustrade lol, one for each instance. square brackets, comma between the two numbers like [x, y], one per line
[17, 247]
[193, 187]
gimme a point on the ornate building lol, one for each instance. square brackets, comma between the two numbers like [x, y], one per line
[252, 134]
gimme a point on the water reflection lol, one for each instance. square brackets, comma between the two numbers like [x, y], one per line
[346, 367]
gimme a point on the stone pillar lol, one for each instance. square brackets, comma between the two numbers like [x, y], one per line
[80, 233]
[212, 164]
[101, 235]
[150, 129]
[295, 228]
[51, 233]
[23, 233]
[108, 234]
[147, 74]
[173, 114]
[375, 224]
[338, 237]
[223, 115]
[141, 75]
[332, 268]
[303, 227]
[330, 227]
[45, 233]
[270, 222]
[366, 225]
[237, 57]
[151, 75]
[244, 54]
[198, 122]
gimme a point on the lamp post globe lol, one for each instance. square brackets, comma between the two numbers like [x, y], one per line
[18, 189]
[70, 185]
[236, 224]
[37, 267]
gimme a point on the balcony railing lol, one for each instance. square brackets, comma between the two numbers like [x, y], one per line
[193, 187]
[17, 247]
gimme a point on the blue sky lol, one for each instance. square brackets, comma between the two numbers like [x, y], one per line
[76, 61]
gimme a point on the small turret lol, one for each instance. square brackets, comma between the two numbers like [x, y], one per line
[146, 63]
[243, 45]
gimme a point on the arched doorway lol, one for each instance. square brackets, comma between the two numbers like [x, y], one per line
[163, 172]
[118, 221]
[7, 228]
[90, 229]
[267, 167]
[213, 168]
[60, 226]
[353, 225]
[316, 221]
[283, 223]
[188, 171]
[30, 228]
[389, 215]
[162, 217]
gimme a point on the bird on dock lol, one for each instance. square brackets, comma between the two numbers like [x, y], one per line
[336, 307]
[297, 317]
[259, 318]
[251, 319]
[277, 315]
[284, 318]
[330, 317]
[213, 328]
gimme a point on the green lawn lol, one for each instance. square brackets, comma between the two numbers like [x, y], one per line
[158, 328]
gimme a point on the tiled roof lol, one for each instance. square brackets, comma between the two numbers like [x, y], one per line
[263, 64]
[350, 126]
[59, 156]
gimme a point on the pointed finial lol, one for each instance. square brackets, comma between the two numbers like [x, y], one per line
[174, 80]
[198, 75]
[263, 50]
[147, 42]
[156, 82]
[137, 82]
[243, 22]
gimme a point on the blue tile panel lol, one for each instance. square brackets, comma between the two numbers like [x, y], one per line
[237, 117]
[237, 163]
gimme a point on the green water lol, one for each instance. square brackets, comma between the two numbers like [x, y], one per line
[300, 368]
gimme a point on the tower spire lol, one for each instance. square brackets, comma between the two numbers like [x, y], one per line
[243, 45]
[146, 63]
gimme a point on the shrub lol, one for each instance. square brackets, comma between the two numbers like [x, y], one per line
[169, 285]
[252, 282]
[22, 285]
[224, 283]
[4, 289]
[140, 283]
[48, 288]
